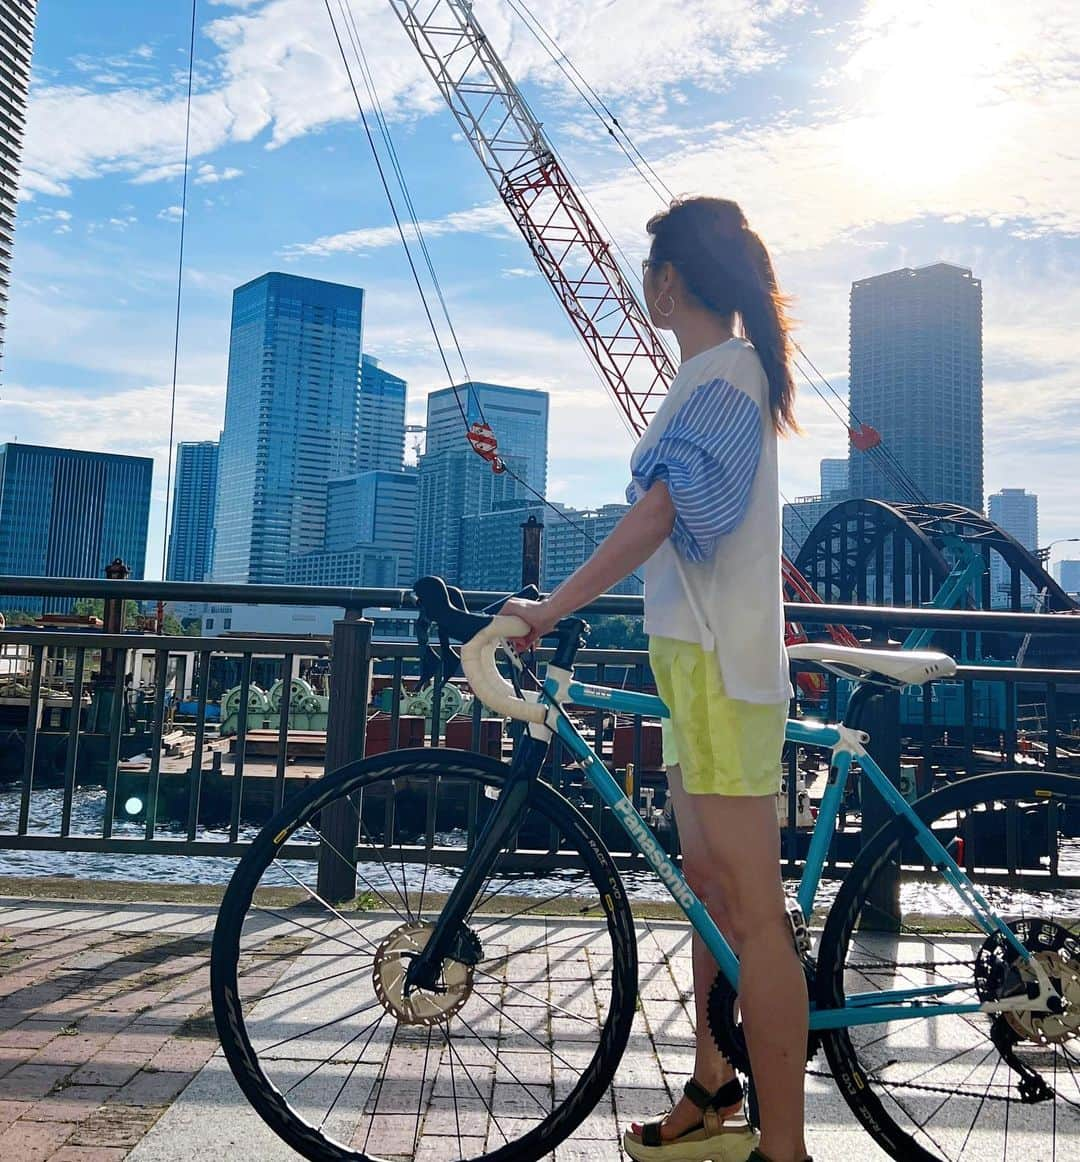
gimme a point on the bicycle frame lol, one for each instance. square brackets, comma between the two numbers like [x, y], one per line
[846, 745]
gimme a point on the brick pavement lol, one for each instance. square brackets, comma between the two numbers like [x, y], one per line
[105, 1020]
[100, 1030]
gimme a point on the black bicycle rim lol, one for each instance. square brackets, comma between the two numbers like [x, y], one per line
[313, 1028]
[923, 1088]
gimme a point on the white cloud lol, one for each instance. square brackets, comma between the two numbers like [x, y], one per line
[171, 213]
[491, 219]
[207, 175]
[278, 71]
[132, 422]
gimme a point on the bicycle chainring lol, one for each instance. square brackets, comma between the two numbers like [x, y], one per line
[725, 1020]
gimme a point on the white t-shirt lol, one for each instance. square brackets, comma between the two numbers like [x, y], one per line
[716, 581]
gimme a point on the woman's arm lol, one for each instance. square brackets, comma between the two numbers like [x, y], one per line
[632, 542]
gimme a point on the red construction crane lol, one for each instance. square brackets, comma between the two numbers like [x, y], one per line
[574, 256]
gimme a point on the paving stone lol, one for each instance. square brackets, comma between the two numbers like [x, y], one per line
[29, 1082]
[116, 1125]
[101, 1070]
[89, 1154]
[73, 1103]
[152, 1089]
[35, 1141]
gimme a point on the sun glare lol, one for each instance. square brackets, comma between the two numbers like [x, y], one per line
[924, 88]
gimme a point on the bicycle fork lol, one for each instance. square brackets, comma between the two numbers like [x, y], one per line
[450, 938]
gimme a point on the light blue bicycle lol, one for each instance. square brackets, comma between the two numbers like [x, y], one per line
[480, 1011]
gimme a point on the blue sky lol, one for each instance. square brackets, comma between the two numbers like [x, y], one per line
[859, 135]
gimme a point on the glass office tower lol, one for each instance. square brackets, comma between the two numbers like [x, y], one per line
[291, 421]
[66, 513]
[191, 526]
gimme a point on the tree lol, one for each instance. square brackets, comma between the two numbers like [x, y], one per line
[95, 607]
[17, 617]
[617, 632]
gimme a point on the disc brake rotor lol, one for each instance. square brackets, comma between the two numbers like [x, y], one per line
[1000, 973]
[420, 1007]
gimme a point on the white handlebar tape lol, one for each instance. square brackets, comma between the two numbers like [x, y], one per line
[478, 662]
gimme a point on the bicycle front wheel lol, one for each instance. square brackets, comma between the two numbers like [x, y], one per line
[924, 1088]
[521, 1038]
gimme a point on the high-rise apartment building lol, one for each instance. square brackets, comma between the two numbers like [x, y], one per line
[834, 476]
[1068, 575]
[291, 421]
[491, 545]
[1015, 511]
[454, 482]
[16, 47]
[66, 513]
[382, 419]
[916, 376]
[191, 525]
[569, 543]
[370, 533]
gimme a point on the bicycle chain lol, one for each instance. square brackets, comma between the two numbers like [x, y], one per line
[911, 1085]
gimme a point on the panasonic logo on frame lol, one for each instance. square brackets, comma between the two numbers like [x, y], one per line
[654, 853]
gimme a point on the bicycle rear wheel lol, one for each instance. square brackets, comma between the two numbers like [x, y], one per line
[533, 1014]
[924, 1087]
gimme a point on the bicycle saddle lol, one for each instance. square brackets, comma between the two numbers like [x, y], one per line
[904, 667]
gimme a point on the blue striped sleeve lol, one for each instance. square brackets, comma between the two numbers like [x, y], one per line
[707, 456]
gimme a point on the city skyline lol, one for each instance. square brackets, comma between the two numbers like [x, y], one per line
[982, 185]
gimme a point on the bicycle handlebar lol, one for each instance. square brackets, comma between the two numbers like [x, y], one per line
[478, 662]
[479, 634]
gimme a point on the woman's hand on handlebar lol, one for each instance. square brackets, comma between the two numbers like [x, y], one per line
[538, 614]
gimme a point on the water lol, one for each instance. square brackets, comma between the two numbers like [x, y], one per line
[88, 811]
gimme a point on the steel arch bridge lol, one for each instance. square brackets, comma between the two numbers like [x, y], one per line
[873, 552]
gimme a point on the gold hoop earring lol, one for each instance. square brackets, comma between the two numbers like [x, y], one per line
[660, 310]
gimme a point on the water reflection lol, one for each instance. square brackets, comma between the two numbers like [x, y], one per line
[88, 811]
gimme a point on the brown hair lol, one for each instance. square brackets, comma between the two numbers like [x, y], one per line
[726, 267]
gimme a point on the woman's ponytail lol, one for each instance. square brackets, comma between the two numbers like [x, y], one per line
[726, 267]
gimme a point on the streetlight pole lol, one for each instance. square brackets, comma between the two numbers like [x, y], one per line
[1043, 554]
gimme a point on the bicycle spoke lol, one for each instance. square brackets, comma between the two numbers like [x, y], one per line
[372, 1025]
[308, 928]
[472, 1082]
[499, 1061]
[420, 1097]
[532, 996]
[351, 864]
[311, 983]
[402, 895]
[315, 896]
[529, 907]
[317, 1058]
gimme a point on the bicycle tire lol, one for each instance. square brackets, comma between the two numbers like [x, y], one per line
[603, 1041]
[893, 1095]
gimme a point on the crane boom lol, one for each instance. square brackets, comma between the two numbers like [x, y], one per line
[551, 215]
[572, 253]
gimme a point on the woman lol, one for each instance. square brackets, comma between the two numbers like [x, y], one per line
[705, 522]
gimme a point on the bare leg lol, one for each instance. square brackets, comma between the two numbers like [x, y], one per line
[742, 868]
[711, 1068]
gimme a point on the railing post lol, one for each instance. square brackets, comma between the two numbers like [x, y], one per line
[532, 532]
[350, 689]
[881, 720]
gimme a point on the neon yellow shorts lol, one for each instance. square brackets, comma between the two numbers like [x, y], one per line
[723, 746]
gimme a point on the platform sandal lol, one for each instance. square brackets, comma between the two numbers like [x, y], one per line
[713, 1139]
[757, 1156]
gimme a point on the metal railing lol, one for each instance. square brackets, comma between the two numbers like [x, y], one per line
[79, 732]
